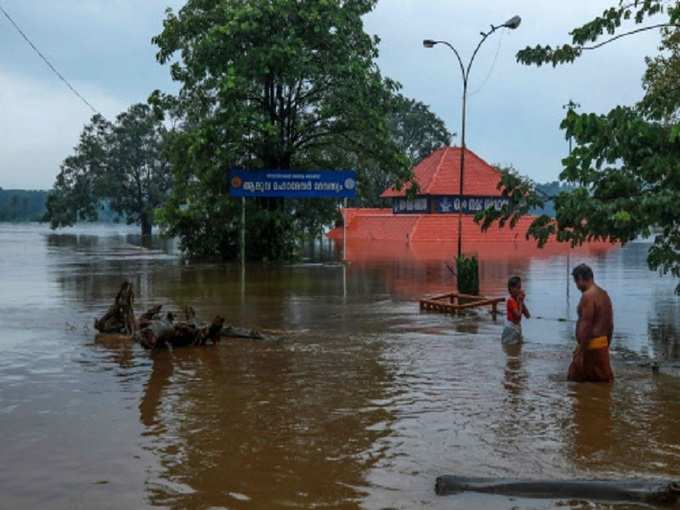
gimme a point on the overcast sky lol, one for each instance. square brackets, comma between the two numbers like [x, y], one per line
[104, 47]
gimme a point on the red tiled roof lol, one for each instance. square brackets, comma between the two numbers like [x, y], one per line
[439, 174]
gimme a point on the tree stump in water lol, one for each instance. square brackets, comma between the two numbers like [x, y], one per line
[154, 329]
[120, 317]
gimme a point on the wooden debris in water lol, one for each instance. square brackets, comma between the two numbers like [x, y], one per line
[644, 491]
[120, 317]
[155, 329]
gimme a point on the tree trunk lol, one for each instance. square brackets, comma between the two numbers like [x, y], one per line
[120, 317]
[147, 226]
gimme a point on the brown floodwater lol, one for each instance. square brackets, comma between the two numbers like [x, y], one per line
[361, 404]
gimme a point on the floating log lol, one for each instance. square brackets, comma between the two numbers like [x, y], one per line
[120, 317]
[652, 492]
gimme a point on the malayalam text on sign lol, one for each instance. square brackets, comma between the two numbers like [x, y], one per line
[289, 184]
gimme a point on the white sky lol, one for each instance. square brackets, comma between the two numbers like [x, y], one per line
[104, 48]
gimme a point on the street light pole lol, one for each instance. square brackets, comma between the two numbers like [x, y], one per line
[512, 24]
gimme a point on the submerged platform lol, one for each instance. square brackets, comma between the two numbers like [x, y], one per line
[454, 302]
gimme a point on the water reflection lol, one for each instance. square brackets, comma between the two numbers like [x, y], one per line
[664, 329]
[514, 403]
[515, 375]
[162, 368]
[256, 426]
[631, 424]
[594, 435]
[363, 404]
[120, 349]
[72, 241]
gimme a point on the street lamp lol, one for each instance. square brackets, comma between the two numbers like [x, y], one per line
[511, 24]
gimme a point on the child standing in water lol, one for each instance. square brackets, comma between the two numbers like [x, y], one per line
[512, 332]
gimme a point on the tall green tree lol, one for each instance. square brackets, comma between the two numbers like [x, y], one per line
[417, 133]
[416, 130]
[268, 84]
[625, 167]
[121, 163]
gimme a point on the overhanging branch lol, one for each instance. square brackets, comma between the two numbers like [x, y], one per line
[632, 32]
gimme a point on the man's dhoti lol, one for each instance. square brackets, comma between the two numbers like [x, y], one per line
[592, 363]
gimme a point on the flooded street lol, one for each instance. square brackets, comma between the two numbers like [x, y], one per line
[362, 403]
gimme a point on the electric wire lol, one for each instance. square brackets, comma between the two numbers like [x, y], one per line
[45, 59]
[493, 65]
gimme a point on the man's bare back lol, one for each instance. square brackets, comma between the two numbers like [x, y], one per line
[594, 331]
[595, 316]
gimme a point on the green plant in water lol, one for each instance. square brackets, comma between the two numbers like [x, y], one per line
[467, 274]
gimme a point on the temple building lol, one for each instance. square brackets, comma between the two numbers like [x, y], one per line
[432, 215]
[438, 178]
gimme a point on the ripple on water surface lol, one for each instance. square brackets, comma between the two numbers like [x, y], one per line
[362, 405]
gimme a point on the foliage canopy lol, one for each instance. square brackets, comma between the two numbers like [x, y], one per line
[274, 84]
[121, 163]
[625, 167]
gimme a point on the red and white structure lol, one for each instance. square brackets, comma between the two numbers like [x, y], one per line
[432, 215]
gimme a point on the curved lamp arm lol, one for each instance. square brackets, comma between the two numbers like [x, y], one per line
[485, 36]
[455, 51]
[512, 24]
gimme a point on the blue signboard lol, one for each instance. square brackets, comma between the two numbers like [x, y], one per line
[291, 184]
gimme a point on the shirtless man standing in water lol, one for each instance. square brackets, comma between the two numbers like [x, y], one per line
[593, 331]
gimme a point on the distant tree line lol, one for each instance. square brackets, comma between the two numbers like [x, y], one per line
[19, 206]
[22, 205]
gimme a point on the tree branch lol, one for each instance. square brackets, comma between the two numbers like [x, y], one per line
[632, 32]
[319, 134]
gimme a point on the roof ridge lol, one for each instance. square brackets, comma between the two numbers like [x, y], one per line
[492, 167]
[439, 166]
[415, 227]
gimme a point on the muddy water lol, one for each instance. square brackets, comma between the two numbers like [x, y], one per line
[362, 404]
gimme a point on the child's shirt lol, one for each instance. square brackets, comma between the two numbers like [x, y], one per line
[514, 311]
